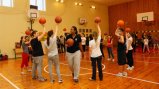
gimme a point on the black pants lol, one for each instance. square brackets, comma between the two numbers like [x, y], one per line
[99, 63]
[130, 58]
[101, 49]
[84, 47]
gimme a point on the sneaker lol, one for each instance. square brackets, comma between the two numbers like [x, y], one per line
[125, 74]
[128, 68]
[131, 68]
[76, 80]
[60, 81]
[23, 73]
[119, 74]
[34, 78]
[92, 79]
[42, 79]
[113, 60]
[108, 59]
[52, 81]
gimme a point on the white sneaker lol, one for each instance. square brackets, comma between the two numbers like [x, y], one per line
[113, 60]
[119, 74]
[23, 73]
[128, 68]
[52, 81]
[60, 81]
[131, 68]
[125, 74]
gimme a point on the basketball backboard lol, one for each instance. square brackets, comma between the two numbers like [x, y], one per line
[147, 16]
[33, 12]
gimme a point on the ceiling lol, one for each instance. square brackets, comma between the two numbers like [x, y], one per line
[111, 2]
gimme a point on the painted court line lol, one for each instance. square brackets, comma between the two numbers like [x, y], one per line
[135, 78]
[148, 62]
[70, 74]
[105, 73]
[9, 81]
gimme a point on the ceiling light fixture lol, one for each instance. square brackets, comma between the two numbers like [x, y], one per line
[61, 1]
[78, 4]
[93, 7]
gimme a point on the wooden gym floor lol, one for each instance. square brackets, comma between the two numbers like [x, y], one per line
[144, 76]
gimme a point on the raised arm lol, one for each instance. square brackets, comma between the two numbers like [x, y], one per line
[99, 30]
[117, 32]
[55, 34]
[42, 35]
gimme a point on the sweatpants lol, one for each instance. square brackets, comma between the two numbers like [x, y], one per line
[54, 60]
[74, 62]
[37, 65]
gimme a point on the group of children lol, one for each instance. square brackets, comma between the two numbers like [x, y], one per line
[74, 53]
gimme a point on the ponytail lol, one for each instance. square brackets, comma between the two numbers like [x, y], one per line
[49, 34]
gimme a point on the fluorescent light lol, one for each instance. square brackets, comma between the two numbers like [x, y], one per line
[62, 1]
[76, 3]
[93, 7]
[80, 4]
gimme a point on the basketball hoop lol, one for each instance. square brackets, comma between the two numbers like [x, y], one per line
[144, 20]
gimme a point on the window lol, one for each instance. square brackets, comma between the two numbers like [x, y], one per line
[7, 3]
[40, 3]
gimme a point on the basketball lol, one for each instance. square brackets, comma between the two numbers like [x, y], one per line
[27, 32]
[70, 42]
[58, 19]
[120, 23]
[64, 29]
[42, 20]
[97, 20]
[127, 29]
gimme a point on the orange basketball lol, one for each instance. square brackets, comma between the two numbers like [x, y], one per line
[58, 19]
[70, 42]
[120, 23]
[27, 32]
[127, 29]
[97, 20]
[42, 20]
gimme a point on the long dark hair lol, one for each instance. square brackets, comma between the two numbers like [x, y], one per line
[49, 34]
[33, 32]
[75, 29]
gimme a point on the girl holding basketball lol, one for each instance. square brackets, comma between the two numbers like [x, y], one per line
[121, 51]
[52, 52]
[96, 55]
[37, 54]
[73, 52]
